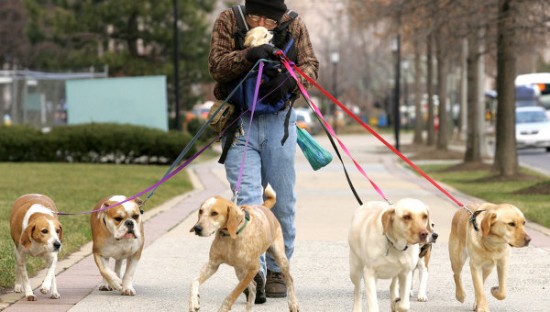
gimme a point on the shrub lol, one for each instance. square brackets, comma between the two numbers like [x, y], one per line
[97, 143]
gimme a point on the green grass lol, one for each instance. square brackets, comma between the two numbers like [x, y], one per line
[74, 188]
[480, 184]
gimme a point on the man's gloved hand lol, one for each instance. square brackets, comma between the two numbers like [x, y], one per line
[264, 51]
[276, 88]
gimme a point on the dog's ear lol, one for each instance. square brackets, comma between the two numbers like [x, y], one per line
[233, 220]
[26, 236]
[487, 222]
[60, 235]
[387, 219]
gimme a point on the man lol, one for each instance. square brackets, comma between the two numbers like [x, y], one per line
[267, 159]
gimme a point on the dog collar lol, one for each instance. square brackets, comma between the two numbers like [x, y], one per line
[473, 219]
[241, 228]
[390, 243]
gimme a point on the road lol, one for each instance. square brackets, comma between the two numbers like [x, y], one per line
[537, 158]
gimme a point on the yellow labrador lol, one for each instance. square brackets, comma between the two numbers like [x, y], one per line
[498, 228]
[384, 243]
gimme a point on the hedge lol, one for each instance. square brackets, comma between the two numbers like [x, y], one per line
[95, 143]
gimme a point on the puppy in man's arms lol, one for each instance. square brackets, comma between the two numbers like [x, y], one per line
[36, 231]
[485, 234]
[243, 233]
[117, 233]
[384, 243]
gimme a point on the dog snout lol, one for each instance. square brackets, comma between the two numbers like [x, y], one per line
[129, 224]
[56, 245]
[423, 235]
[434, 236]
[197, 229]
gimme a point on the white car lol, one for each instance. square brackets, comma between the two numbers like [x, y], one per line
[532, 128]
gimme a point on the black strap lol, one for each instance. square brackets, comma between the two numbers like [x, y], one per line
[287, 117]
[338, 154]
[238, 10]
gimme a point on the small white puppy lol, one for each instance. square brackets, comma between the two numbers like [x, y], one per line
[257, 36]
[383, 242]
[35, 231]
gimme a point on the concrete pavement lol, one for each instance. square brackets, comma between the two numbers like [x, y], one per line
[173, 256]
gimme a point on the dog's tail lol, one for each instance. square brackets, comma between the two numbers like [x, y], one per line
[270, 198]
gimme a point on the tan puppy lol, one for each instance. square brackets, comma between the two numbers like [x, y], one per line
[35, 231]
[242, 235]
[257, 36]
[383, 242]
[117, 233]
[500, 226]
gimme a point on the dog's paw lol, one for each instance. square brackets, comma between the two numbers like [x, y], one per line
[129, 291]
[55, 295]
[116, 283]
[500, 295]
[18, 288]
[293, 307]
[105, 287]
[194, 304]
[422, 297]
[460, 296]
[31, 297]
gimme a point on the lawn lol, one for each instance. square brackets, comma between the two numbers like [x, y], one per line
[529, 191]
[74, 188]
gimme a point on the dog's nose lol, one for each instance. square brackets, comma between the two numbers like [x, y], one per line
[56, 245]
[434, 236]
[423, 234]
[198, 229]
[129, 224]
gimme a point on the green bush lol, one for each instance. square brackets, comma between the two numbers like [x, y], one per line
[92, 143]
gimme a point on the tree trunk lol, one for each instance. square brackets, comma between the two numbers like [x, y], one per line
[442, 140]
[429, 89]
[419, 119]
[473, 132]
[506, 158]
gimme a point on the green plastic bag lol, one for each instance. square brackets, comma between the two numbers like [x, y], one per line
[315, 154]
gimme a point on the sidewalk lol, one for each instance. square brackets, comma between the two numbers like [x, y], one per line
[173, 256]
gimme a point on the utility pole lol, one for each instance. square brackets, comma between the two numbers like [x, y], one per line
[176, 67]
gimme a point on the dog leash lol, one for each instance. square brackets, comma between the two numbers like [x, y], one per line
[288, 66]
[162, 180]
[243, 158]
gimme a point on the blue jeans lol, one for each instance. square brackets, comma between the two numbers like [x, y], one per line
[267, 161]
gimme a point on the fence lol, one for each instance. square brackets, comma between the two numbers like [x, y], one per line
[36, 98]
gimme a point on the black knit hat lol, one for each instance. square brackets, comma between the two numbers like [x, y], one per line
[273, 9]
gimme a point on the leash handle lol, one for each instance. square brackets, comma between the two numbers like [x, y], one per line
[286, 63]
[369, 129]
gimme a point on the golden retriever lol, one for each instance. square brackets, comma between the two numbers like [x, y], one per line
[486, 240]
[242, 235]
[384, 243]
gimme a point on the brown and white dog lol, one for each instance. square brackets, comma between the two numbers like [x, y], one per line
[35, 231]
[499, 227]
[257, 36]
[242, 235]
[384, 243]
[117, 233]
[421, 266]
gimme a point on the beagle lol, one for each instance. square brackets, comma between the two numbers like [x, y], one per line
[36, 231]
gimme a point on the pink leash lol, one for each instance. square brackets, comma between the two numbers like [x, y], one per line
[369, 129]
[318, 112]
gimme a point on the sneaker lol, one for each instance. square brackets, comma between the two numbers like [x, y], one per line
[275, 286]
[260, 289]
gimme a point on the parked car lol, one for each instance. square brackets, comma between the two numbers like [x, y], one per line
[532, 128]
[306, 120]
